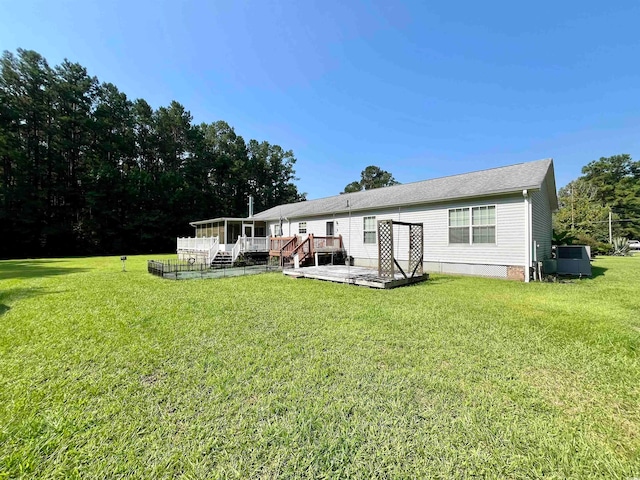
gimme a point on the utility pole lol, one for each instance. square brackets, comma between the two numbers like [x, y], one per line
[610, 232]
[572, 218]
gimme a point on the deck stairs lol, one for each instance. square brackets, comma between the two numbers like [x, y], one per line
[222, 259]
[305, 248]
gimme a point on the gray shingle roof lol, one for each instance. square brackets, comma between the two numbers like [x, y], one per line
[495, 181]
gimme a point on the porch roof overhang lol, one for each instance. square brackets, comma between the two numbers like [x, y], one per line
[222, 219]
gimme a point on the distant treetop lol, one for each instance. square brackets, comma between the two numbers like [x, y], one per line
[370, 178]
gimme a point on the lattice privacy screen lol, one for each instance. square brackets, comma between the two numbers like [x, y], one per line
[416, 249]
[386, 260]
[385, 248]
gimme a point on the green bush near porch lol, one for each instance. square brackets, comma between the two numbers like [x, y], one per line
[105, 373]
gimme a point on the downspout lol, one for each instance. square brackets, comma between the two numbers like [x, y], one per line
[527, 236]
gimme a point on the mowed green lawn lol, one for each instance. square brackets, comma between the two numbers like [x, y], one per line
[108, 374]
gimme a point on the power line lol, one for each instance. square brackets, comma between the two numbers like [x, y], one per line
[616, 220]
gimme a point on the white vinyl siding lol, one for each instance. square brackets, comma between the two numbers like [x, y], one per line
[369, 230]
[508, 248]
[542, 227]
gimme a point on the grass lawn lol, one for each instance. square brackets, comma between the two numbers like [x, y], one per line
[112, 374]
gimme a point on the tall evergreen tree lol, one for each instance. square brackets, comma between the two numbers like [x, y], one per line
[84, 170]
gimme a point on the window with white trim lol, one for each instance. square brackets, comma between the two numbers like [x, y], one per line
[302, 227]
[472, 225]
[459, 225]
[483, 221]
[330, 229]
[276, 230]
[369, 229]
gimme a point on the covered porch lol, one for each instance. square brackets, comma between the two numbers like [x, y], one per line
[223, 240]
[227, 230]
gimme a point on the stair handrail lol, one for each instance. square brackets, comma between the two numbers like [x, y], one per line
[308, 241]
[213, 249]
[235, 251]
[285, 250]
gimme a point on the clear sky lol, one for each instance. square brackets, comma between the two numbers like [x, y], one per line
[422, 89]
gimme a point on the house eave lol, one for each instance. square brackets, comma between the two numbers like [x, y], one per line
[497, 193]
[222, 219]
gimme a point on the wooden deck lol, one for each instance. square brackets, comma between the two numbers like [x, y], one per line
[366, 277]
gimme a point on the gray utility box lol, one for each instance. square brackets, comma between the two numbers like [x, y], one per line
[573, 260]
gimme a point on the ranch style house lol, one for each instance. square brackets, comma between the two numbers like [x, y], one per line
[494, 223]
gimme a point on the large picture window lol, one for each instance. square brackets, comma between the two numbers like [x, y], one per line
[369, 228]
[472, 225]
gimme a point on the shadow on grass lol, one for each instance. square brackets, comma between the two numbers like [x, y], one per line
[439, 279]
[34, 269]
[597, 271]
[16, 294]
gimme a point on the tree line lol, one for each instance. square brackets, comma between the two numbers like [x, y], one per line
[607, 187]
[84, 170]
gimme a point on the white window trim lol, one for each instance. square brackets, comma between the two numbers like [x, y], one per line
[375, 236]
[449, 227]
[333, 227]
[470, 208]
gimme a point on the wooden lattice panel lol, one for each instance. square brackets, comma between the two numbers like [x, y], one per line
[385, 249]
[416, 249]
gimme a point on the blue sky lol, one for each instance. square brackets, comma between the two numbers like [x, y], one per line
[420, 90]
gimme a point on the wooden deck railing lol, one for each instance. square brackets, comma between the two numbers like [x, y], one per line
[286, 247]
[327, 244]
[304, 249]
[276, 244]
